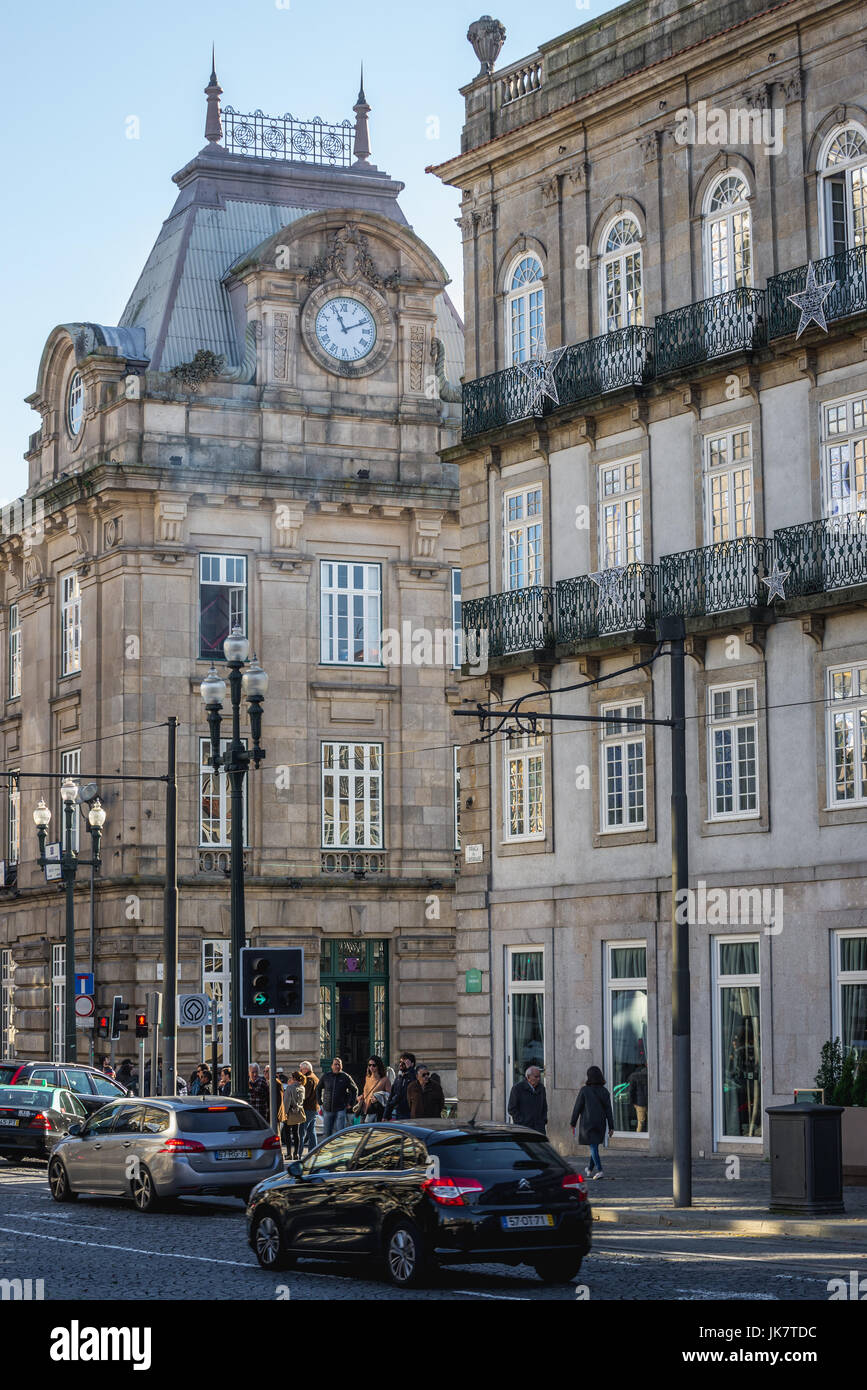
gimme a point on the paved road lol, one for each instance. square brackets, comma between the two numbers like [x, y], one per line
[103, 1249]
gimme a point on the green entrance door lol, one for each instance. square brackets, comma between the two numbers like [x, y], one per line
[353, 1003]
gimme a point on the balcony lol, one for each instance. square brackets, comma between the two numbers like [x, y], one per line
[718, 578]
[849, 295]
[823, 556]
[726, 323]
[627, 603]
[520, 620]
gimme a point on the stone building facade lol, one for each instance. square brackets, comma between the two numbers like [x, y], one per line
[647, 192]
[255, 443]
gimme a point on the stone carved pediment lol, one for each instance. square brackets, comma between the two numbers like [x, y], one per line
[347, 257]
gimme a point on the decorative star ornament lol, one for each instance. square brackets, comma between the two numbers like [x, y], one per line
[811, 301]
[538, 372]
[608, 583]
[775, 581]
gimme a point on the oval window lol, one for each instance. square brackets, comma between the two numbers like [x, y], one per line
[75, 403]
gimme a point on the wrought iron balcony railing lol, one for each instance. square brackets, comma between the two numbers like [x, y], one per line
[715, 578]
[495, 400]
[520, 620]
[847, 271]
[731, 322]
[624, 602]
[285, 137]
[823, 555]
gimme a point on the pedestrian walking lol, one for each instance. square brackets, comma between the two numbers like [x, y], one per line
[108, 1069]
[592, 1112]
[425, 1096]
[528, 1102]
[291, 1113]
[259, 1094]
[224, 1087]
[201, 1081]
[336, 1093]
[311, 1108]
[397, 1105]
[124, 1073]
[375, 1083]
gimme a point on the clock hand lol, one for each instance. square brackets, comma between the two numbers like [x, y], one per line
[340, 321]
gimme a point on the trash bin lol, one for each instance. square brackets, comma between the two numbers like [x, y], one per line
[806, 1159]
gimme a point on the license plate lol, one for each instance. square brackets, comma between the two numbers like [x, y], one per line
[524, 1223]
[8, 1122]
[233, 1153]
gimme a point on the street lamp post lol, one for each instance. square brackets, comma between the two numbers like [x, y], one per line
[250, 684]
[69, 862]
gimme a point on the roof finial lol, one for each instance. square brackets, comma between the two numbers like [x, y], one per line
[361, 148]
[213, 119]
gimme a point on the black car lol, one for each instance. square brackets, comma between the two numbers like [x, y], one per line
[34, 1118]
[93, 1088]
[422, 1194]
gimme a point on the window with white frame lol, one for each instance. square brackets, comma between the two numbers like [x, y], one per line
[626, 1034]
[844, 456]
[14, 652]
[621, 274]
[58, 1002]
[352, 813]
[70, 624]
[70, 766]
[619, 514]
[457, 631]
[215, 800]
[525, 787]
[843, 190]
[525, 309]
[222, 601]
[456, 752]
[13, 819]
[850, 990]
[525, 1012]
[728, 462]
[622, 779]
[728, 236]
[351, 613]
[847, 735]
[732, 757]
[215, 984]
[522, 545]
[7, 1020]
[75, 404]
[737, 1028]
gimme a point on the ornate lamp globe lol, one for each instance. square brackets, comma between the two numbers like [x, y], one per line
[96, 815]
[42, 816]
[236, 646]
[213, 688]
[254, 680]
[68, 790]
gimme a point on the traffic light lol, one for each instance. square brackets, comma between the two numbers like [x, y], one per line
[272, 982]
[119, 1013]
[141, 1024]
[103, 1025]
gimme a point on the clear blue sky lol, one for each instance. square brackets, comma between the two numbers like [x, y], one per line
[84, 203]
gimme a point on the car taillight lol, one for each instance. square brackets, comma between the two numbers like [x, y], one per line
[573, 1182]
[40, 1121]
[182, 1146]
[272, 1142]
[450, 1193]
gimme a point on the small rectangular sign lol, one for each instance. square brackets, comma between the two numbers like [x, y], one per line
[473, 981]
[84, 983]
[473, 854]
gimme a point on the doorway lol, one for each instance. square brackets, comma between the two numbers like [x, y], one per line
[353, 1003]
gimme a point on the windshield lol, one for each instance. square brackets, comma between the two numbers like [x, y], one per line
[472, 1153]
[24, 1095]
[220, 1119]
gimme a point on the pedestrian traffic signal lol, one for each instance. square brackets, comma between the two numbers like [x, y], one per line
[272, 982]
[103, 1025]
[119, 1016]
[141, 1024]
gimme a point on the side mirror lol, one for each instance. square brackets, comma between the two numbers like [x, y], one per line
[295, 1169]
[75, 1129]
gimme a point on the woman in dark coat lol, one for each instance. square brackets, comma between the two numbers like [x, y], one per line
[592, 1112]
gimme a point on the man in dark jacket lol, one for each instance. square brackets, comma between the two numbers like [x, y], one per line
[425, 1096]
[528, 1102]
[259, 1093]
[397, 1105]
[336, 1093]
[637, 1096]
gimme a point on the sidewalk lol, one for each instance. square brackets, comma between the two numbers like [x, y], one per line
[636, 1192]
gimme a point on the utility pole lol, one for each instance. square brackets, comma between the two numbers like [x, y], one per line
[170, 913]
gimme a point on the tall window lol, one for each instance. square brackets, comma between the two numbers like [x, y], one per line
[70, 766]
[626, 1034]
[351, 613]
[58, 1001]
[70, 624]
[844, 457]
[525, 309]
[525, 787]
[522, 548]
[456, 752]
[619, 514]
[850, 990]
[13, 821]
[215, 800]
[621, 275]
[737, 1038]
[728, 238]
[14, 652]
[7, 1025]
[457, 632]
[215, 984]
[525, 1012]
[843, 190]
[622, 776]
[222, 600]
[847, 736]
[729, 485]
[352, 795]
[732, 736]
[75, 404]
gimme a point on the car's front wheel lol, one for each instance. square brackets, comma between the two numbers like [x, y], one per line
[144, 1193]
[406, 1262]
[58, 1181]
[269, 1242]
[558, 1269]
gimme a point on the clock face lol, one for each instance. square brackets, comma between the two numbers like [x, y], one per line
[345, 329]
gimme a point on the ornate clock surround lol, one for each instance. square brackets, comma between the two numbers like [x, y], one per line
[386, 332]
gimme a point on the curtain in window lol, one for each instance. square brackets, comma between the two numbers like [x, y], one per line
[527, 1033]
[629, 1057]
[853, 1023]
[740, 1057]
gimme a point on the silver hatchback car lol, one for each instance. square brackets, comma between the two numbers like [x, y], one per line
[165, 1147]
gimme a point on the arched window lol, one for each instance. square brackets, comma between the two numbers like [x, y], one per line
[525, 309]
[728, 237]
[75, 403]
[843, 190]
[621, 295]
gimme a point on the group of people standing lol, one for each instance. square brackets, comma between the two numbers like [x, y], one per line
[591, 1113]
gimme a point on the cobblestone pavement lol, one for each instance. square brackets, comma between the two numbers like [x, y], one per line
[104, 1249]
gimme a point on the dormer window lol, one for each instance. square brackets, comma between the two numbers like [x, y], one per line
[75, 404]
